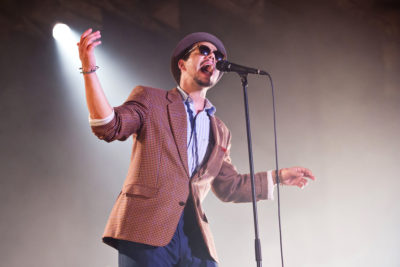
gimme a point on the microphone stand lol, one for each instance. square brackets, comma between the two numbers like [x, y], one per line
[257, 243]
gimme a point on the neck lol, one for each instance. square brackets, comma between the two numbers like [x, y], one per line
[197, 94]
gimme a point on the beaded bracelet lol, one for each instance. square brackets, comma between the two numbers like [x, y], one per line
[91, 70]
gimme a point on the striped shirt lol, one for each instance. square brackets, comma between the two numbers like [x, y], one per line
[198, 132]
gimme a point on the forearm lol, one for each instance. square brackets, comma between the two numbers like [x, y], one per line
[231, 186]
[96, 100]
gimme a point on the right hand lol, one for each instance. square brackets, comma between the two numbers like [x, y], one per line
[89, 40]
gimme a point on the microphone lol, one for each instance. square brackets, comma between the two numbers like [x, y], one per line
[226, 66]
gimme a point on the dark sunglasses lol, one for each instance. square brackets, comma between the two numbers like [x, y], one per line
[205, 51]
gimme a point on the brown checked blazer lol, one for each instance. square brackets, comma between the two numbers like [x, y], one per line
[157, 185]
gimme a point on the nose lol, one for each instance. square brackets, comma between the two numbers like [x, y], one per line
[211, 56]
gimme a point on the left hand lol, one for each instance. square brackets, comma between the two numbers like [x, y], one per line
[297, 176]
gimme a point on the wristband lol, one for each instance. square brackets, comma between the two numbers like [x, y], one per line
[91, 70]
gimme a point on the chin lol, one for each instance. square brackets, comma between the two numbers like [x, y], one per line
[205, 83]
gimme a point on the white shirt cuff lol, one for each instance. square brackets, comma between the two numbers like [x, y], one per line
[270, 184]
[99, 122]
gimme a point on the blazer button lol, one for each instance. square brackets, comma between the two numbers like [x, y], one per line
[181, 203]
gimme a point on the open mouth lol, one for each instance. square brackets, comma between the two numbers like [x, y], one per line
[207, 69]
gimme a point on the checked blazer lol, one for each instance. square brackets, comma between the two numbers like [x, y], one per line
[158, 185]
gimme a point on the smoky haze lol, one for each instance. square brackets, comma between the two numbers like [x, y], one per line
[337, 86]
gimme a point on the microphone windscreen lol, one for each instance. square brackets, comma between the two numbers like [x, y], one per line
[223, 65]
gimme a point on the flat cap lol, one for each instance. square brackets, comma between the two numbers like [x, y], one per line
[186, 43]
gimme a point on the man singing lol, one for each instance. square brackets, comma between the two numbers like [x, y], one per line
[181, 150]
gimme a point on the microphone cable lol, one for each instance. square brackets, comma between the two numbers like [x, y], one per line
[276, 167]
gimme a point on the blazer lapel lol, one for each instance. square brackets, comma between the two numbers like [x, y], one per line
[177, 119]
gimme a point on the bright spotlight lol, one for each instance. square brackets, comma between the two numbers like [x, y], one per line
[61, 32]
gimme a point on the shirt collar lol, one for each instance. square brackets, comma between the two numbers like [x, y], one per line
[209, 107]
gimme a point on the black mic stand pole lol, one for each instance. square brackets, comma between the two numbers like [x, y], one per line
[243, 77]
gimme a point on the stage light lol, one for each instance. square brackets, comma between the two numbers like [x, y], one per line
[65, 40]
[61, 32]
[65, 43]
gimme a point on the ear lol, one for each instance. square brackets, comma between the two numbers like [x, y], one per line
[181, 64]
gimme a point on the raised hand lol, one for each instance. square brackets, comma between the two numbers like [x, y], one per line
[89, 40]
[297, 176]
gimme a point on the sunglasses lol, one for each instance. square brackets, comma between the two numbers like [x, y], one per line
[205, 51]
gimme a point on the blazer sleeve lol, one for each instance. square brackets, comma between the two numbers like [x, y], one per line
[231, 186]
[128, 119]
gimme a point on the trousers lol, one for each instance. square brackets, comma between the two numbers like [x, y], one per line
[186, 248]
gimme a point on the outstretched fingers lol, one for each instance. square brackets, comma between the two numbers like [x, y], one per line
[90, 41]
[92, 45]
[86, 33]
[297, 176]
[304, 172]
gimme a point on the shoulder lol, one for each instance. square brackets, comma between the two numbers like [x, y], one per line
[151, 90]
[140, 89]
[144, 93]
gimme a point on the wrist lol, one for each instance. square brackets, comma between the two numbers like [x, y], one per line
[88, 69]
[275, 178]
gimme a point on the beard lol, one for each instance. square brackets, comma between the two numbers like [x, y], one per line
[203, 83]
